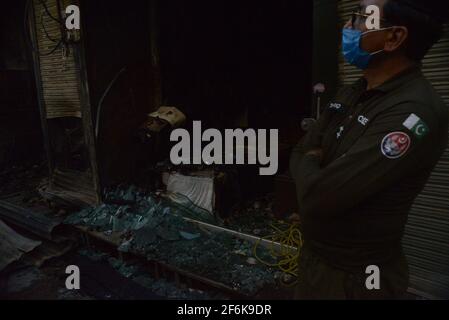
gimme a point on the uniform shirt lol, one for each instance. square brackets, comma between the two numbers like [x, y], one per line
[379, 148]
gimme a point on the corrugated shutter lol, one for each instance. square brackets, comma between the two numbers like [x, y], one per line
[426, 240]
[59, 74]
[347, 74]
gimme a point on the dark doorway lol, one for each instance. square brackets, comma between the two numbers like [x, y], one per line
[238, 64]
[20, 128]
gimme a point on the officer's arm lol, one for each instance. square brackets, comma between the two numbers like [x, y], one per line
[300, 150]
[311, 141]
[362, 172]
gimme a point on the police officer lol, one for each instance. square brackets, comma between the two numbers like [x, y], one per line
[362, 165]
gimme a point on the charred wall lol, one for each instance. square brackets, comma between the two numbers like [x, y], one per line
[118, 58]
[227, 63]
[20, 129]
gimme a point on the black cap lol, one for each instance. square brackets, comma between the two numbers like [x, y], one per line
[433, 8]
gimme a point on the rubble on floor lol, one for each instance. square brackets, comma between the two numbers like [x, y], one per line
[13, 245]
[38, 222]
[156, 228]
[137, 273]
[45, 283]
[255, 217]
[23, 279]
[21, 178]
[131, 211]
[30, 234]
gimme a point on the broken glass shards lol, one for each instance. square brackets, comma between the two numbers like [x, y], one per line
[156, 228]
[213, 256]
[130, 209]
[183, 206]
[255, 218]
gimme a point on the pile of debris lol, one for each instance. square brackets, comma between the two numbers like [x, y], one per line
[156, 228]
[29, 235]
[21, 178]
[255, 217]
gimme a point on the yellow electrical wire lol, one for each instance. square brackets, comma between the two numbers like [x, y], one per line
[287, 254]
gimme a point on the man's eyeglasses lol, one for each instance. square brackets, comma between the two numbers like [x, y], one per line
[357, 18]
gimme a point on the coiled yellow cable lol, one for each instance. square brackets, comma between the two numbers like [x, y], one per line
[287, 254]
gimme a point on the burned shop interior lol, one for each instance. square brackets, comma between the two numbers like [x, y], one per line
[86, 120]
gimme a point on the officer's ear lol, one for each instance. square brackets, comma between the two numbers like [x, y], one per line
[395, 38]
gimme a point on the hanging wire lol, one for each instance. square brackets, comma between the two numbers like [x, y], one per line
[27, 31]
[103, 97]
[44, 4]
[45, 29]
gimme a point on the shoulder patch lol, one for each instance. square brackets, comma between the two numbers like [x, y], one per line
[395, 145]
[416, 125]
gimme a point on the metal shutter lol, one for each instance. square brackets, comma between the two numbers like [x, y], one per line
[427, 234]
[60, 75]
[426, 240]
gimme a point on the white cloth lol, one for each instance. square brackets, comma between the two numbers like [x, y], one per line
[200, 190]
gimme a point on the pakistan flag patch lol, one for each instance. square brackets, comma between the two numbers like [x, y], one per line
[416, 125]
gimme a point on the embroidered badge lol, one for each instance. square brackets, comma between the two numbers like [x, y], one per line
[416, 125]
[395, 145]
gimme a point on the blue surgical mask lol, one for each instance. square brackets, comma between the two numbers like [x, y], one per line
[352, 50]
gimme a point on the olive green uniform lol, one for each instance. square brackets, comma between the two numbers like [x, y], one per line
[379, 148]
